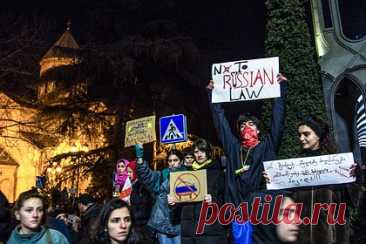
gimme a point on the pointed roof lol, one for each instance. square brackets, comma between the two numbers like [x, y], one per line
[63, 47]
[67, 40]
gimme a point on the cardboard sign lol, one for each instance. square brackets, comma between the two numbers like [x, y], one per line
[245, 80]
[310, 171]
[188, 186]
[140, 130]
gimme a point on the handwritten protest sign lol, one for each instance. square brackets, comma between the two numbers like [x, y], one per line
[140, 130]
[310, 171]
[188, 186]
[245, 80]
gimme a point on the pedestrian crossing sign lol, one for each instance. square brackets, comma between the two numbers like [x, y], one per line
[173, 129]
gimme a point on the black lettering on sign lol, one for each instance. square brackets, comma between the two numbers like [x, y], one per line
[246, 94]
[217, 69]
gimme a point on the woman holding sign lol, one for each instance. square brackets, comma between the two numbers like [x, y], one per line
[164, 221]
[315, 139]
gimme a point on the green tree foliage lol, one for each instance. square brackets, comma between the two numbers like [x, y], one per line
[288, 37]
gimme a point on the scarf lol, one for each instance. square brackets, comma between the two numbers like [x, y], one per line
[249, 137]
[120, 178]
[197, 166]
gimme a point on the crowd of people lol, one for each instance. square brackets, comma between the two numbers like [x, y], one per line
[148, 213]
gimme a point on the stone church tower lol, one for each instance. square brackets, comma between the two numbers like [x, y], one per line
[24, 150]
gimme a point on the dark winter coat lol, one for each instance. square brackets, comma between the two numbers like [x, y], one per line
[88, 223]
[5, 224]
[214, 233]
[322, 232]
[59, 225]
[239, 188]
[141, 203]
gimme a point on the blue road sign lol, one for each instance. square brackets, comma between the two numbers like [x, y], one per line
[173, 129]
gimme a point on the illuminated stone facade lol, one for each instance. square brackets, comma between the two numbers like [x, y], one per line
[21, 159]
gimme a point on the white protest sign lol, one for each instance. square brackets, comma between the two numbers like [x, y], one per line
[309, 171]
[245, 80]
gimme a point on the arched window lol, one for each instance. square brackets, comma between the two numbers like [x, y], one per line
[326, 14]
[345, 103]
[353, 18]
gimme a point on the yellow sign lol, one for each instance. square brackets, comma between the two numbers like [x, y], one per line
[140, 130]
[188, 186]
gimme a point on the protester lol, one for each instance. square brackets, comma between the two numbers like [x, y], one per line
[247, 154]
[5, 218]
[29, 210]
[188, 157]
[115, 225]
[315, 139]
[164, 221]
[141, 200]
[120, 176]
[287, 230]
[89, 211]
[58, 224]
[358, 191]
[213, 233]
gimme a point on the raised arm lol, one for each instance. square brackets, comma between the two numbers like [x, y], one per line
[222, 126]
[150, 178]
[278, 115]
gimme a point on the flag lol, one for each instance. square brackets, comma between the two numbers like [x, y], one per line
[126, 191]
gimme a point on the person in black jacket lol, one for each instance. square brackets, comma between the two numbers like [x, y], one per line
[89, 210]
[247, 153]
[5, 219]
[214, 233]
[141, 200]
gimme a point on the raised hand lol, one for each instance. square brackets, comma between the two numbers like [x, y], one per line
[139, 150]
[281, 78]
[210, 85]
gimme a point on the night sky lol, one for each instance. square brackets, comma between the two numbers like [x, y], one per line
[222, 30]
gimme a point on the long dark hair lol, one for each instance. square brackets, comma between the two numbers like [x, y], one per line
[321, 129]
[28, 195]
[100, 234]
